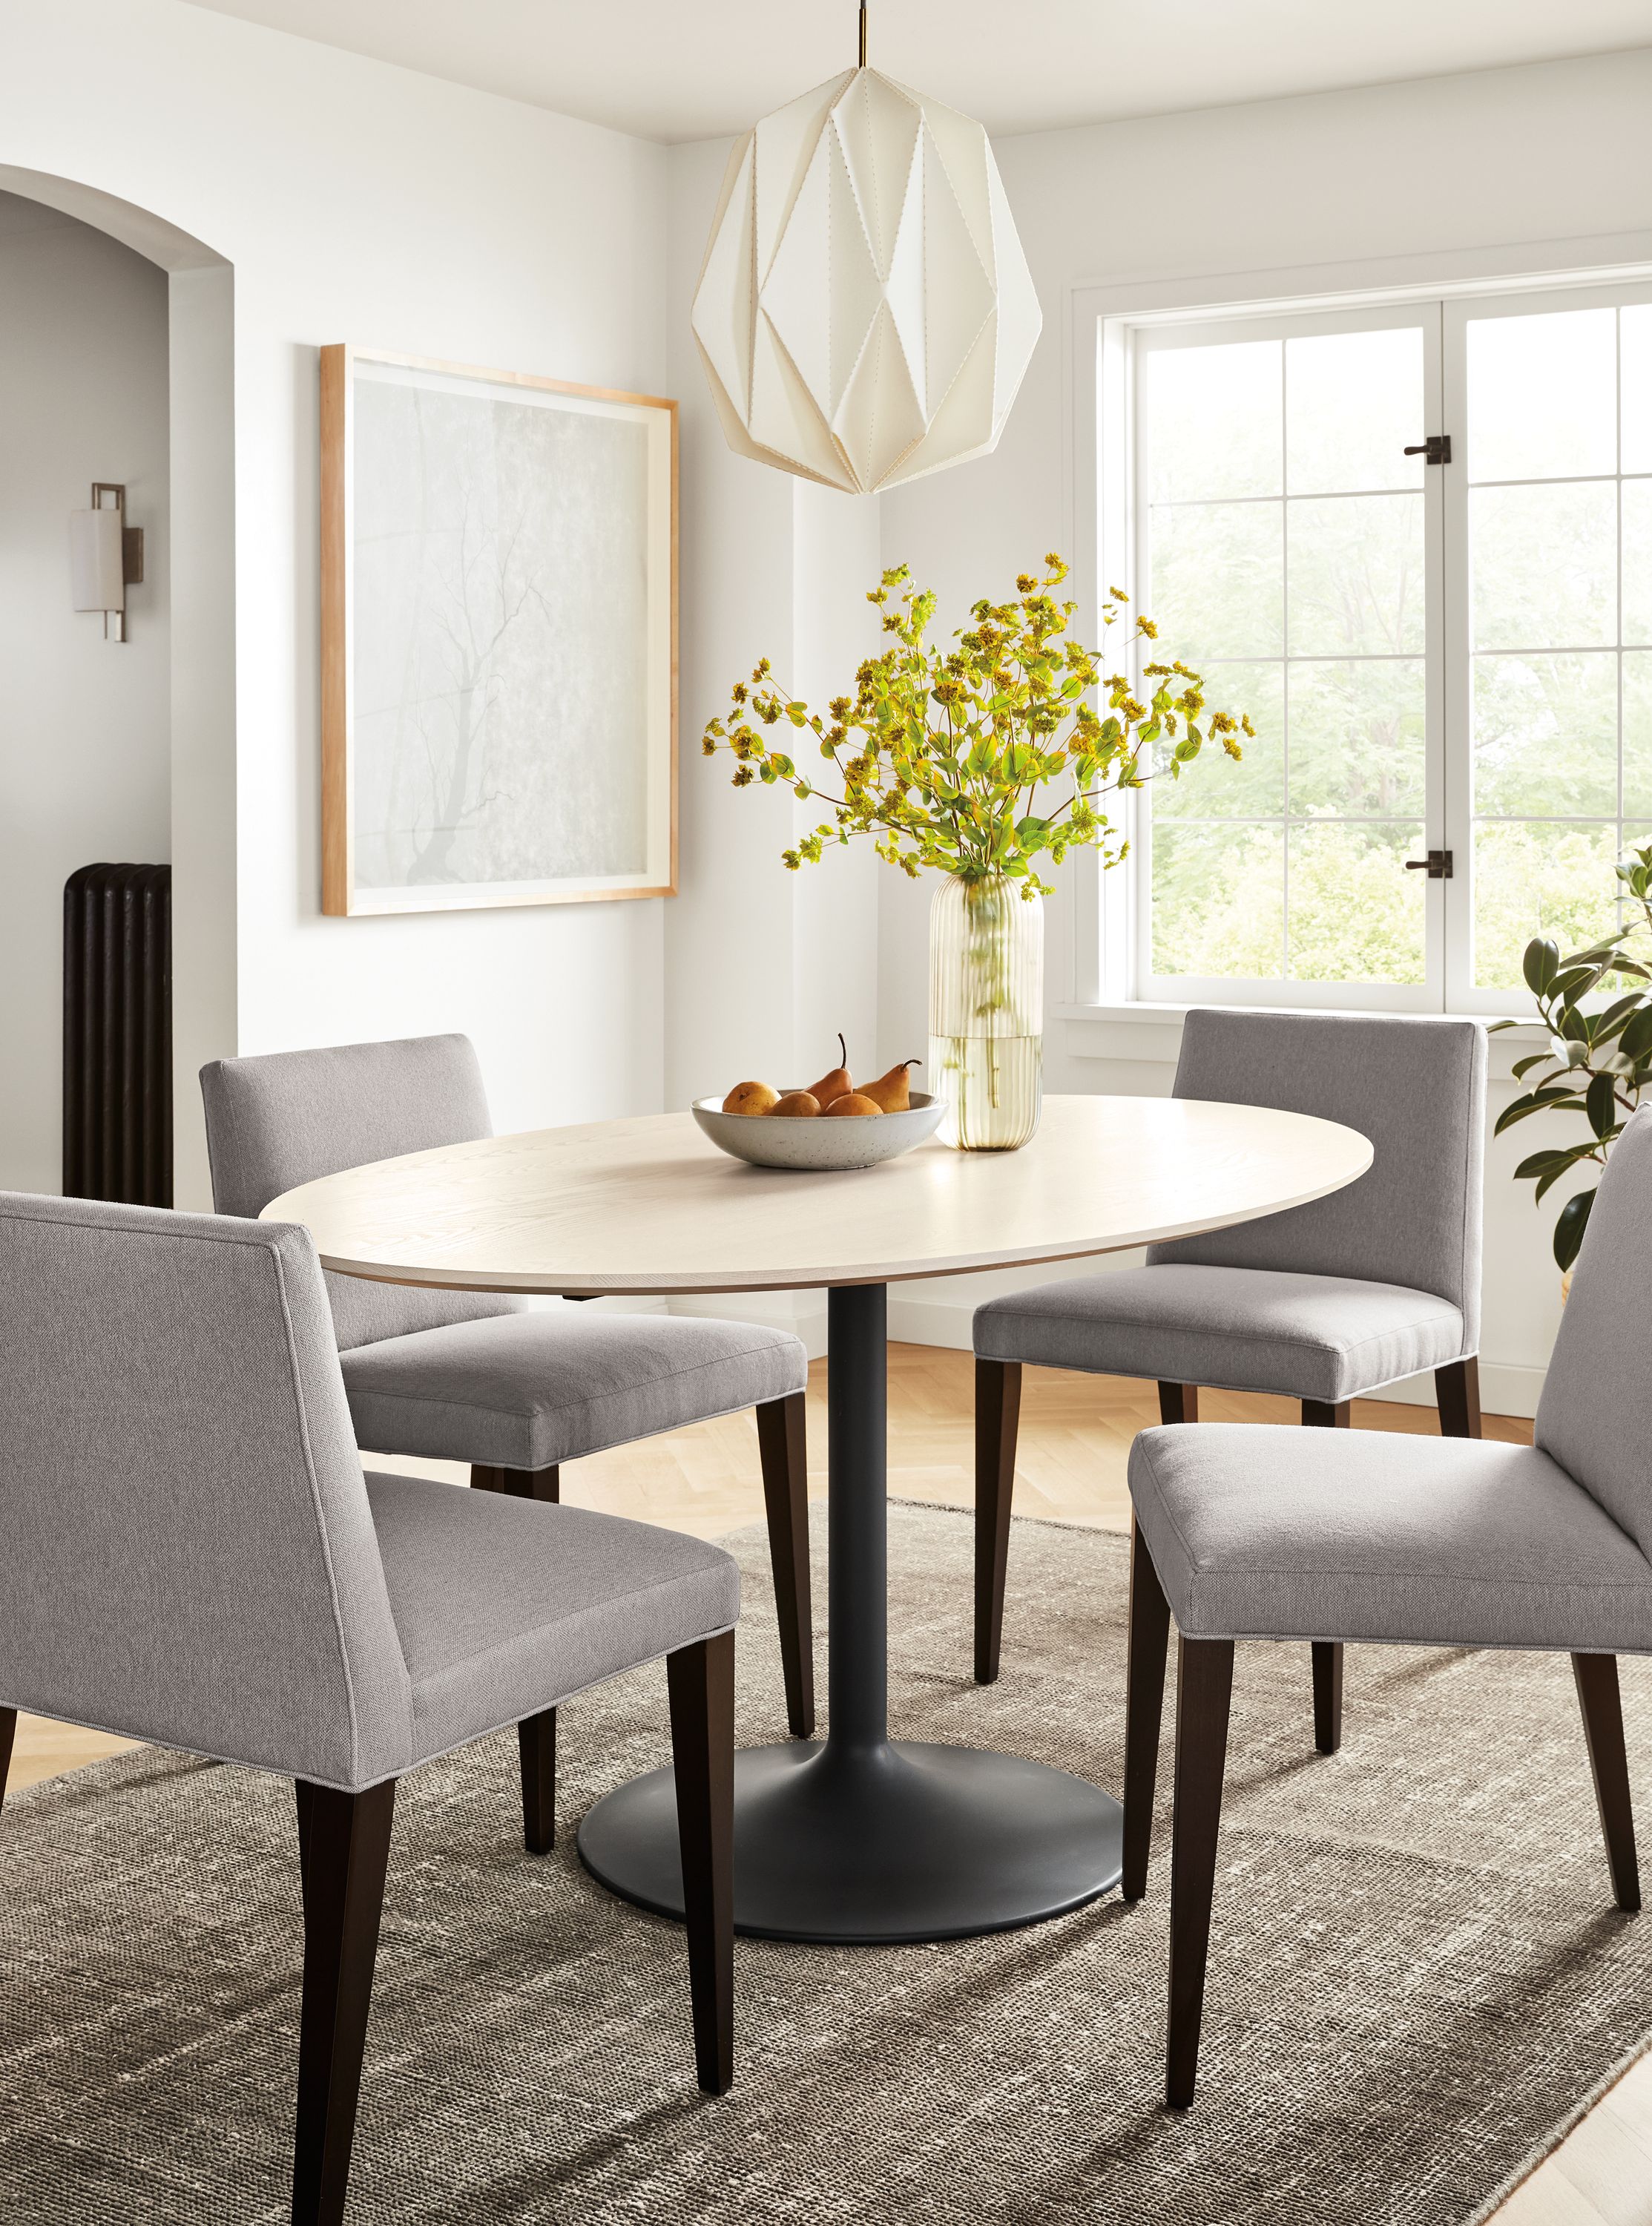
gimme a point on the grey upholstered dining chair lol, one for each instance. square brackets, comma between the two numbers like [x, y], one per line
[193, 1557]
[1325, 1303]
[1247, 1532]
[477, 1377]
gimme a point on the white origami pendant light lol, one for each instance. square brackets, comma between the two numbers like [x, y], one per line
[865, 312]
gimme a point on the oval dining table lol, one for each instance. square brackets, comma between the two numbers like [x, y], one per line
[858, 1837]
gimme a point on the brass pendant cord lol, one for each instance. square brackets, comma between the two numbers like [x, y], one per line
[862, 34]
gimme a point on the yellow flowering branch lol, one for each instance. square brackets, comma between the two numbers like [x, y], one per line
[942, 755]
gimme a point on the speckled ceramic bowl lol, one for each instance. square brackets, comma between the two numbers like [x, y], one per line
[817, 1144]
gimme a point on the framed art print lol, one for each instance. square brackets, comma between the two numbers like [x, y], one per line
[498, 638]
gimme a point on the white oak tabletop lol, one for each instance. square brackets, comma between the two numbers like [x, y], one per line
[651, 1206]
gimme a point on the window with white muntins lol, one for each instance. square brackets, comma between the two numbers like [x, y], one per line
[1415, 543]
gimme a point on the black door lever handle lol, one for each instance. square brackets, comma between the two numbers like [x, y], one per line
[1436, 449]
[1437, 865]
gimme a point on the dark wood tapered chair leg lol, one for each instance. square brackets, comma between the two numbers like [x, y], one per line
[544, 1484]
[1327, 1695]
[536, 1746]
[1144, 1708]
[1317, 1413]
[1457, 1390]
[1320, 1414]
[1179, 1402]
[8, 1733]
[348, 1842]
[782, 1450]
[1203, 1689]
[998, 1414]
[702, 1682]
[1596, 1676]
[304, 1792]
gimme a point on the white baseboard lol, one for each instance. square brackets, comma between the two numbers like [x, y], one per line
[804, 1312]
[1506, 1388]
[929, 1321]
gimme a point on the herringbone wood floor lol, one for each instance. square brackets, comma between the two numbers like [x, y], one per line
[1075, 1438]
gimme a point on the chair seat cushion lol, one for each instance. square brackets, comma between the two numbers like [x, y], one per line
[505, 1606]
[529, 1390]
[1286, 1533]
[1241, 1329]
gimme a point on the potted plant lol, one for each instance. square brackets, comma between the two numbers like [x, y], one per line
[980, 760]
[1597, 1062]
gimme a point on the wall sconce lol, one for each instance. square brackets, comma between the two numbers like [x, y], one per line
[105, 557]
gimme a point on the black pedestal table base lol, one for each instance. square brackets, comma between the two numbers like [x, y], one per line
[900, 1842]
[862, 1838]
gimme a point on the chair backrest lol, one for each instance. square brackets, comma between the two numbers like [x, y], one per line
[1595, 1415]
[188, 1551]
[1415, 1087]
[291, 1117]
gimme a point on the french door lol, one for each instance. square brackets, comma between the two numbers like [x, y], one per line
[1415, 543]
[1548, 552]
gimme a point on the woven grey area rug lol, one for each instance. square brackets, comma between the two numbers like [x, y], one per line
[1417, 1977]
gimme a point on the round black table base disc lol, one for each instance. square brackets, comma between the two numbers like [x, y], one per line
[896, 1842]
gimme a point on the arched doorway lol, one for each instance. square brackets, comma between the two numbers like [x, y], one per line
[123, 350]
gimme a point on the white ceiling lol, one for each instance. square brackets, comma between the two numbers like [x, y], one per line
[694, 69]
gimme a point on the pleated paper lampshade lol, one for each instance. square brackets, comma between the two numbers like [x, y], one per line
[865, 312]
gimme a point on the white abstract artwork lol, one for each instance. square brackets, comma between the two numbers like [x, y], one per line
[508, 712]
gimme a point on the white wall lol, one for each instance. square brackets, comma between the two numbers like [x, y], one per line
[1455, 176]
[205, 949]
[84, 722]
[343, 199]
[357, 201]
[762, 965]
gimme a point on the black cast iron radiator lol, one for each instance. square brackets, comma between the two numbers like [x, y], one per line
[117, 1033]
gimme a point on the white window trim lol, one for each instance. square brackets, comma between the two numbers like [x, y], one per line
[1098, 316]
[1420, 315]
[1507, 302]
[1146, 1034]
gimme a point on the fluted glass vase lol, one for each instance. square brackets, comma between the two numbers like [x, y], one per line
[985, 1055]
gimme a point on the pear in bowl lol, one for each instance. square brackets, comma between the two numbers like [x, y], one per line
[820, 1142]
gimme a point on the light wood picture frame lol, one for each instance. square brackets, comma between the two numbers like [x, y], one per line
[498, 637]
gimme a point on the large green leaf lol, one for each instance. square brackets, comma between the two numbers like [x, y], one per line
[1540, 1163]
[1571, 986]
[1546, 1182]
[1536, 1101]
[1569, 1227]
[1636, 1041]
[1600, 1103]
[1546, 1167]
[1540, 965]
[1615, 1017]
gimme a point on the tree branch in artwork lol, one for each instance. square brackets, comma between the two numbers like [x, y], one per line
[484, 599]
